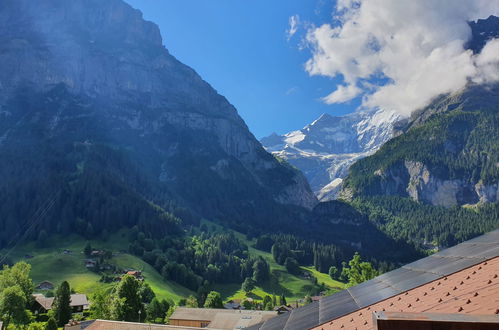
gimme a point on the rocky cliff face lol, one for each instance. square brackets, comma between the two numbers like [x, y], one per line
[96, 73]
[447, 155]
[325, 149]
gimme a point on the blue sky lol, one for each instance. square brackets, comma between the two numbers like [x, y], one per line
[240, 47]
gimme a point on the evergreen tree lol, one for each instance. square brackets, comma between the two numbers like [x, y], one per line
[88, 249]
[292, 266]
[51, 324]
[248, 285]
[62, 301]
[333, 272]
[282, 301]
[261, 271]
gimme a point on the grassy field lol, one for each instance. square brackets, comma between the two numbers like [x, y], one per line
[293, 287]
[51, 264]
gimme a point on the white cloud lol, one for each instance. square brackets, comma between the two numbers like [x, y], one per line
[342, 94]
[294, 22]
[417, 47]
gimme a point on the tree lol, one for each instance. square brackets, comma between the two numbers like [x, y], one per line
[192, 302]
[129, 301]
[282, 301]
[214, 300]
[13, 306]
[359, 271]
[146, 293]
[51, 324]
[88, 249]
[333, 272]
[248, 285]
[101, 304]
[19, 275]
[261, 270]
[248, 305]
[156, 310]
[292, 265]
[267, 302]
[62, 303]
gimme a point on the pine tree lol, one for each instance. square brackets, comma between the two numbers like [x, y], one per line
[88, 249]
[62, 303]
[51, 324]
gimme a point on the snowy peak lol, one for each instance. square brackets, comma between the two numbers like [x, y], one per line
[325, 149]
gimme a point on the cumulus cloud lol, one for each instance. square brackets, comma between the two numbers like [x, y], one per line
[400, 54]
[342, 94]
[294, 21]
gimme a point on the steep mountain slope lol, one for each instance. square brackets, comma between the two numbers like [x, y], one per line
[325, 149]
[93, 108]
[448, 156]
[438, 180]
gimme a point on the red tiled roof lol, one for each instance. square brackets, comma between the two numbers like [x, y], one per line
[474, 290]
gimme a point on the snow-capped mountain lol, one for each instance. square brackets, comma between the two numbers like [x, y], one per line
[325, 149]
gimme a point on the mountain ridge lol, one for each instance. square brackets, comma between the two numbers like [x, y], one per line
[90, 94]
[326, 148]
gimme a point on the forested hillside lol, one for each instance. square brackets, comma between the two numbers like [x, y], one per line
[438, 180]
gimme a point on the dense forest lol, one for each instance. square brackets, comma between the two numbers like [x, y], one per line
[459, 145]
[403, 218]
[456, 139]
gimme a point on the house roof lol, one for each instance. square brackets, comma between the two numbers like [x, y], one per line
[391, 284]
[46, 302]
[210, 314]
[223, 318]
[78, 300]
[118, 325]
[474, 291]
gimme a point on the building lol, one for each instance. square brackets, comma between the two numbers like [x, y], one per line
[79, 303]
[233, 304]
[136, 273]
[90, 263]
[218, 318]
[45, 285]
[119, 325]
[282, 309]
[454, 288]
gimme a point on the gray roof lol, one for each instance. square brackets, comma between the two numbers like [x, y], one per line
[119, 325]
[76, 300]
[387, 285]
[223, 318]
